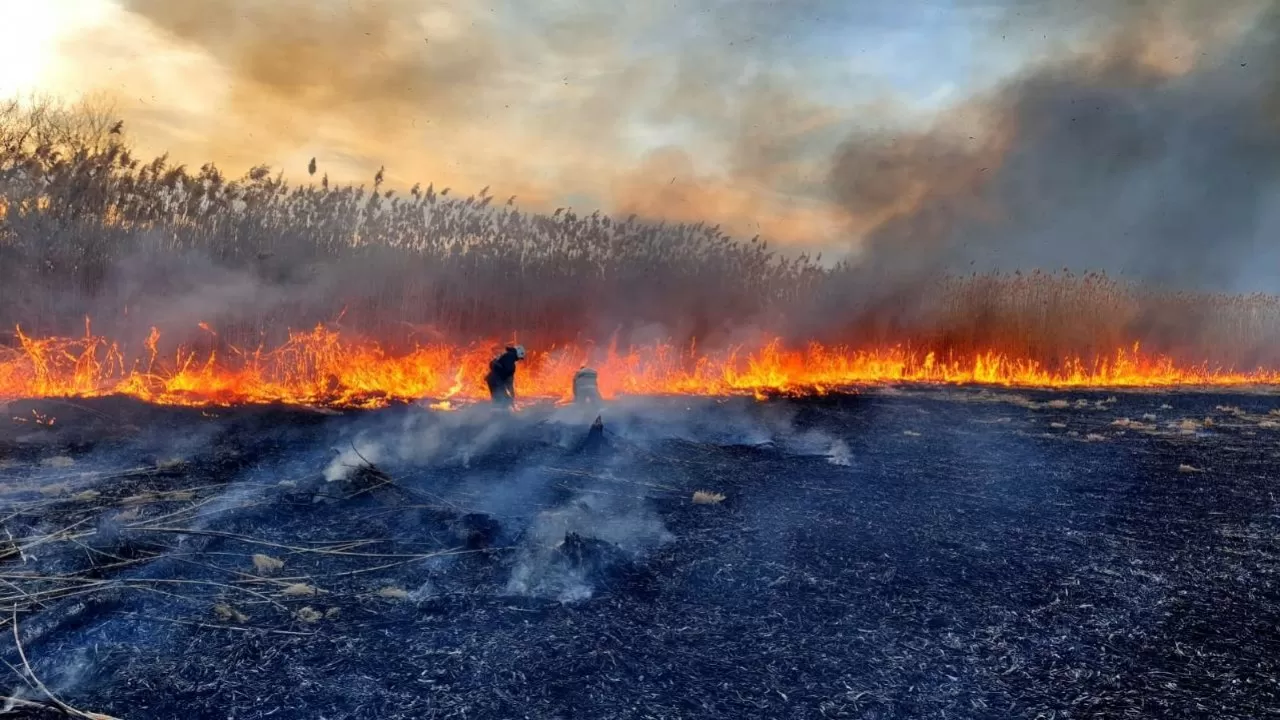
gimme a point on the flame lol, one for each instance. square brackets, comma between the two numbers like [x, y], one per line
[320, 367]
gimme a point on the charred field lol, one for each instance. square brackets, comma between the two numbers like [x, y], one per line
[902, 552]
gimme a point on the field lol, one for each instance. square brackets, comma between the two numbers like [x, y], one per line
[253, 486]
[903, 552]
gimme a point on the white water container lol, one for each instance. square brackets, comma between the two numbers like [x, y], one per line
[585, 389]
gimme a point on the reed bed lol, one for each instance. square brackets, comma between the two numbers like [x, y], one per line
[88, 228]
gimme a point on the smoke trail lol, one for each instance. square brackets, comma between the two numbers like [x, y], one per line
[1153, 152]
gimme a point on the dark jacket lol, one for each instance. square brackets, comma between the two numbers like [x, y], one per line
[502, 370]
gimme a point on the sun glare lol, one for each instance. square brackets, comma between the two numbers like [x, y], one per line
[33, 56]
[28, 41]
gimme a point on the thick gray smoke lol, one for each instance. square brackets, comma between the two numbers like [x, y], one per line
[1154, 153]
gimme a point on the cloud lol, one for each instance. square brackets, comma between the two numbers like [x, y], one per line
[1151, 151]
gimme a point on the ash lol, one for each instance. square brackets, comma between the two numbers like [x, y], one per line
[899, 553]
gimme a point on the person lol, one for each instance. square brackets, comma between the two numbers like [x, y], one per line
[502, 376]
[585, 389]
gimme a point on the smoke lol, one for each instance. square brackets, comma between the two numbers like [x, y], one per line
[626, 526]
[687, 111]
[574, 528]
[176, 292]
[437, 439]
[1152, 152]
[649, 423]
[457, 439]
[1137, 137]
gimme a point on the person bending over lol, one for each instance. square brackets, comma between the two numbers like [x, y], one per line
[502, 376]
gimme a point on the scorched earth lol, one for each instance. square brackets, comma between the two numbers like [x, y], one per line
[919, 553]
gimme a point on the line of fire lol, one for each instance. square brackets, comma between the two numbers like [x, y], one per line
[320, 367]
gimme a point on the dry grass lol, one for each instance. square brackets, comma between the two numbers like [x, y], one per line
[299, 590]
[146, 498]
[266, 564]
[704, 497]
[309, 615]
[80, 207]
[227, 613]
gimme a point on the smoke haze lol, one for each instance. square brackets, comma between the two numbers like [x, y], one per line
[680, 112]
[1097, 134]
[1154, 154]
[1139, 138]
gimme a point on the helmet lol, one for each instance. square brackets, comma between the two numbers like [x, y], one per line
[519, 352]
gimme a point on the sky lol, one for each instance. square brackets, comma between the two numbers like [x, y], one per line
[921, 50]
[737, 112]
[560, 60]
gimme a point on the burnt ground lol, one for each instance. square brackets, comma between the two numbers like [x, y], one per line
[895, 554]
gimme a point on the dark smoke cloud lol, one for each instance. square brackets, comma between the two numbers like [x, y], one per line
[1153, 153]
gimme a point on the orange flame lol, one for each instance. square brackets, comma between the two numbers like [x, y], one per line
[320, 367]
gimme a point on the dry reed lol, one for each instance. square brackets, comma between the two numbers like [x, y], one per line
[77, 206]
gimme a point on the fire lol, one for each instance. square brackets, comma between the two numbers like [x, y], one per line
[320, 367]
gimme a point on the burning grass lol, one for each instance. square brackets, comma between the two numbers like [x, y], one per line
[322, 368]
[406, 293]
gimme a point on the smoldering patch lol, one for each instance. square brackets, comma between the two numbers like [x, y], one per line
[570, 552]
